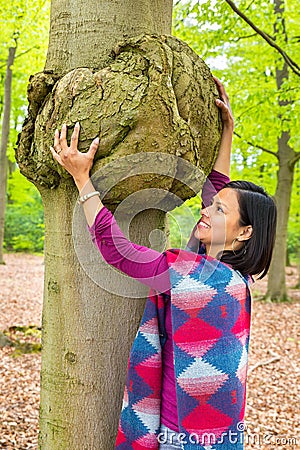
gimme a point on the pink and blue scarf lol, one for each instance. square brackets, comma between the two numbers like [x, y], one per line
[210, 308]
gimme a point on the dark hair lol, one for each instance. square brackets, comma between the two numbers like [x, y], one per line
[258, 209]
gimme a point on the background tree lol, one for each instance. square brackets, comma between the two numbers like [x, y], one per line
[287, 159]
[23, 45]
[259, 49]
[148, 94]
[4, 143]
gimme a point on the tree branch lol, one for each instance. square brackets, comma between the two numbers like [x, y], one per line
[258, 146]
[245, 111]
[244, 37]
[294, 160]
[21, 54]
[292, 64]
[176, 3]
[252, 1]
[264, 363]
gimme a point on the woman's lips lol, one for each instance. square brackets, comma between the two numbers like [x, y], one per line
[203, 225]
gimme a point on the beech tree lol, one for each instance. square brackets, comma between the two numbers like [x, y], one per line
[21, 47]
[4, 143]
[114, 67]
[285, 154]
[287, 160]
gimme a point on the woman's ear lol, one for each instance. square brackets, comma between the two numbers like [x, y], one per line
[245, 234]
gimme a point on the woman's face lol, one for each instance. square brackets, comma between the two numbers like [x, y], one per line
[219, 225]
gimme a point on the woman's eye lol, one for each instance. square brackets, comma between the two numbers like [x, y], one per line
[219, 209]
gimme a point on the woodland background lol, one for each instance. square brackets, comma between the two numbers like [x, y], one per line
[233, 51]
[246, 63]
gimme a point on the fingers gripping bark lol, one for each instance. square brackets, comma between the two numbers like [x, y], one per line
[76, 163]
[74, 138]
[224, 104]
[93, 148]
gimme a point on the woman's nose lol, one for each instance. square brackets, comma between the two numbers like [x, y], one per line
[204, 212]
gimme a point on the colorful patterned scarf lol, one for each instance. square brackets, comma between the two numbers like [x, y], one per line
[210, 307]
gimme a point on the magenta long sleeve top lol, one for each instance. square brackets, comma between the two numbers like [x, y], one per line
[151, 268]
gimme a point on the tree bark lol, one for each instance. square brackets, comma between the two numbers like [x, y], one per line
[4, 144]
[155, 96]
[87, 333]
[276, 281]
[84, 36]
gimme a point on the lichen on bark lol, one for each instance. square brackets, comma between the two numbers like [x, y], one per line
[156, 96]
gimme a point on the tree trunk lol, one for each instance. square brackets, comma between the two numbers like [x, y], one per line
[276, 281]
[4, 144]
[155, 96]
[87, 334]
[297, 286]
[84, 35]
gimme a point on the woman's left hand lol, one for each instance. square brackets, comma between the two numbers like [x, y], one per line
[76, 163]
[224, 105]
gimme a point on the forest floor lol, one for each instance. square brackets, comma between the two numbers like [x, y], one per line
[272, 414]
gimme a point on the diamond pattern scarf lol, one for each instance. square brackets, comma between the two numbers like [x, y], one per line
[210, 307]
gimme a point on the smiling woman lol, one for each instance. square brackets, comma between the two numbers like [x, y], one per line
[188, 364]
[239, 227]
[219, 227]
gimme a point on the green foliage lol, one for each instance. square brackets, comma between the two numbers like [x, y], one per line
[24, 339]
[247, 65]
[24, 223]
[293, 228]
[23, 24]
[235, 53]
[181, 221]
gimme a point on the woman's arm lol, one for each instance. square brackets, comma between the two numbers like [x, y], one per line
[142, 263]
[213, 184]
[219, 176]
[222, 163]
[147, 265]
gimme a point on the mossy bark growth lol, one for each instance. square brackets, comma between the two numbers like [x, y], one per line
[156, 96]
[147, 96]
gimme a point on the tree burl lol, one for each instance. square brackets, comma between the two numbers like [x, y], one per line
[156, 96]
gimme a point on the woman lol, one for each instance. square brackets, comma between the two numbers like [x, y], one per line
[187, 367]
